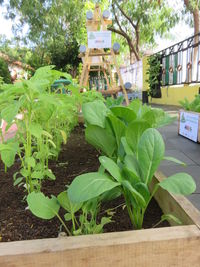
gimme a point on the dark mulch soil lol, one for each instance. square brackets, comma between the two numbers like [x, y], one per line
[77, 157]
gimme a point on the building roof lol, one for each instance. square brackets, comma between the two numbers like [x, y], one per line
[15, 63]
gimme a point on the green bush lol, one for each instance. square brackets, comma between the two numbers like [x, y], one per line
[193, 105]
[4, 71]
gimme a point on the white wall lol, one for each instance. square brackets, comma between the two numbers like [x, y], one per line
[133, 74]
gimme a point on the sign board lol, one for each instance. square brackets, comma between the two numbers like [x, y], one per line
[99, 39]
[189, 123]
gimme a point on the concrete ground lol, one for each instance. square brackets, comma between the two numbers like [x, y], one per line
[184, 150]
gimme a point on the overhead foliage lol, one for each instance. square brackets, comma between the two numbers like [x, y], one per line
[53, 28]
[139, 21]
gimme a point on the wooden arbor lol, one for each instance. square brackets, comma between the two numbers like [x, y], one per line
[98, 59]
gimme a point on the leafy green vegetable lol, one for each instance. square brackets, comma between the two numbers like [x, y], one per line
[43, 207]
[94, 113]
[179, 183]
[151, 149]
[89, 185]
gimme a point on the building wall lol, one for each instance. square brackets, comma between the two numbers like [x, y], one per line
[171, 95]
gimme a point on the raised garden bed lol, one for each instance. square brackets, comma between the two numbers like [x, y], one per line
[170, 246]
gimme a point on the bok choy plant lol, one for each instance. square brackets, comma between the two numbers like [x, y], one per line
[132, 150]
[132, 175]
[82, 216]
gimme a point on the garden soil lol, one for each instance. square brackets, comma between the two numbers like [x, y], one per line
[77, 157]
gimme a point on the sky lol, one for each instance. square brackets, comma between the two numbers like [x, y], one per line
[178, 33]
[5, 25]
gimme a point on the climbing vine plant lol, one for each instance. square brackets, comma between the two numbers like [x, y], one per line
[154, 76]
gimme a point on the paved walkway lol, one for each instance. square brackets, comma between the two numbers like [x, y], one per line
[184, 150]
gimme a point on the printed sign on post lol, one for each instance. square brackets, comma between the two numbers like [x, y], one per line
[189, 125]
[99, 39]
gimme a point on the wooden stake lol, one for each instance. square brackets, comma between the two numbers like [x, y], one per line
[119, 75]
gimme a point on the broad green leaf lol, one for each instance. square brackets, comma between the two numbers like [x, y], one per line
[137, 196]
[8, 152]
[124, 113]
[43, 207]
[129, 175]
[151, 149]
[111, 194]
[101, 139]
[95, 113]
[134, 131]
[30, 161]
[179, 183]
[8, 157]
[111, 167]
[136, 106]
[126, 147]
[24, 172]
[9, 112]
[89, 185]
[174, 160]
[66, 204]
[143, 190]
[37, 175]
[118, 127]
[150, 118]
[131, 163]
[171, 217]
[35, 129]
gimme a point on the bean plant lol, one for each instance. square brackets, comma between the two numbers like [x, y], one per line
[43, 120]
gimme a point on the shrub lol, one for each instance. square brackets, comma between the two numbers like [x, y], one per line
[4, 71]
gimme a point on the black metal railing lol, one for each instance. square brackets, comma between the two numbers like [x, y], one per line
[181, 62]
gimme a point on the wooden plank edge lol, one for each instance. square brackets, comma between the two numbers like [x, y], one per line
[179, 206]
[98, 240]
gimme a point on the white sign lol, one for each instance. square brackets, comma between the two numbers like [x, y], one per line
[99, 39]
[189, 125]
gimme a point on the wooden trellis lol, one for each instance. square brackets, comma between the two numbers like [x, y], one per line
[99, 60]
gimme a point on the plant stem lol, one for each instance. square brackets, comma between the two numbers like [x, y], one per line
[64, 225]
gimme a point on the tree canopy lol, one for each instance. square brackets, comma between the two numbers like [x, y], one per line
[139, 21]
[56, 28]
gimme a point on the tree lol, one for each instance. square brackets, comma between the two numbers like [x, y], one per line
[54, 26]
[193, 7]
[4, 71]
[138, 21]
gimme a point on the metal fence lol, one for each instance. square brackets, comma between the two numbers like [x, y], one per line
[181, 62]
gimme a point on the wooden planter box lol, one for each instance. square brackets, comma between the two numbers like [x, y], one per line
[170, 246]
[189, 125]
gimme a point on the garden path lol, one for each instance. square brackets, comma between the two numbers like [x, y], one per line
[184, 150]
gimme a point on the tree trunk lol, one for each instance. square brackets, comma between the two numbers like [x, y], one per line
[195, 13]
[132, 57]
[196, 22]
